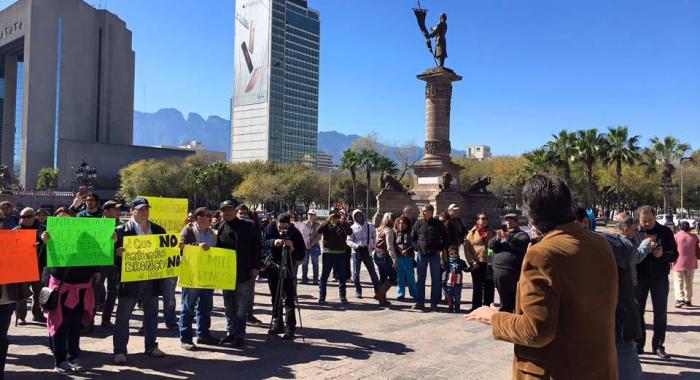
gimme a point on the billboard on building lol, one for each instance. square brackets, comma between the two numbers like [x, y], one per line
[252, 49]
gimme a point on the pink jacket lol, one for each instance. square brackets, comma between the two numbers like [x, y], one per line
[55, 317]
[688, 244]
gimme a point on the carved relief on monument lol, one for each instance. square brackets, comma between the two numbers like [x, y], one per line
[438, 147]
[436, 90]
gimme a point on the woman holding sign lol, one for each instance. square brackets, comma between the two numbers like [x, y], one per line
[75, 309]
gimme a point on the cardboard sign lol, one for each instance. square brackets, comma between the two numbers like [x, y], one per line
[169, 213]
[80, 242]
[18, 258]
[150, 257]
[214, 268]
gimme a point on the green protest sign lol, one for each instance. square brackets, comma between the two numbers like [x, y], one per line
[149, 257]
[214, 268]
[80, 242]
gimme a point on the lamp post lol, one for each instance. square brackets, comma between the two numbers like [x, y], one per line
[84, 175]
[681, 165]
[667, 187]
[508, 197]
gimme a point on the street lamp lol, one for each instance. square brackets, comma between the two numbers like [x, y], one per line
[84, 175]
[508, 197]
[681, 165]
[667, 187]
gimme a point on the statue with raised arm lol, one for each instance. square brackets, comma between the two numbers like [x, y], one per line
[438, 33]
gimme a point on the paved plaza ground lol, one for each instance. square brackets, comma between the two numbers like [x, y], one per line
[358, 340]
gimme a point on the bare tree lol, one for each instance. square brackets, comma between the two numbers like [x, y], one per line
[406, 155]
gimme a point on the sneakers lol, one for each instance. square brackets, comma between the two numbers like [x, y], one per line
[680, 304]
[228, 339]
[343, 300]
[172, 326]
[208, 340]
[358, 295]
[63, 368]
[276, 329]
[688, 304]
[661, 352]
[288, 335]
[119, 359]
[155, 352]
[75, 365]
[253, 321]
[418, 306]
[188, 346]
[39, 318]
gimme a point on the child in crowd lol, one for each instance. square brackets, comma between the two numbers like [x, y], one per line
[452, 278]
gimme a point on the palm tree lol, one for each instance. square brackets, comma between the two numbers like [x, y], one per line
[538, 161]
[589, 144]
[385, 165]
[620, 149]
[664, 153]
[350, 161]
[369, 160]
[563, 149]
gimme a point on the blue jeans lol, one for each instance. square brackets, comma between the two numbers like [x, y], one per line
[237, 304]
[658, 287]
[125, 307]
[311, 255]
[406, 276]
[5, 319]
[335, 262]
[386, 268]
[168, 286]
[357, 261]
[628, 366]
[196, 303]
[423, 263]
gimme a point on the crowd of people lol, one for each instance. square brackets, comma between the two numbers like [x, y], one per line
[551, 305]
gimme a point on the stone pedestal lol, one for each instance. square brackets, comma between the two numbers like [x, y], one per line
[393, 201]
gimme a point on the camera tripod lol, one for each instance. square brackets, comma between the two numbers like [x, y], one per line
[277, 303]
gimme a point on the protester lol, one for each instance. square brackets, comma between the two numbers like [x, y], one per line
[74, 311]
[28, 221]
[10, 296]
[244, 237]
[509, 247]
[11, 221]
[405, 260]
[335, 232]
[652, 277]
[42, 215]
[279, 235]
[92, 209]
[243, 213]
[685, 265]
[106, 299]
[456, 230]
[476, 252]
[385, 256]
[561, 315]
[362, 240]
[129, 293]
[313, 250]
[410, 213]
[629, 228]
[452, 279]
[429, 238]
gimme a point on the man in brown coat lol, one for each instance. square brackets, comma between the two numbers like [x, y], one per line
[564, 322]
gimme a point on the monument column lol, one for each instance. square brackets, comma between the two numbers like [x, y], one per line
[438, 99]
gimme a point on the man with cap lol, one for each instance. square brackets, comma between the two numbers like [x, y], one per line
[106, 299]
[312, 239]
[244, 237]
[456, 231]
[129, 293]
[279, 236]
[509, 247]
[335, 231]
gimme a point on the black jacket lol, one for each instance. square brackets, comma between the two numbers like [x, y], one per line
[456, 231]
[335, 235]
[131, 289]
[509, 253]
[429, 236]
[244, 237]
[275, 253]
[654, 268]
[40, 247]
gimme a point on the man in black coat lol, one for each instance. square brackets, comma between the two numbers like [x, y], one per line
[274, 244]
[129, 293]
[509, 248]
[429, 237]
[244, 237]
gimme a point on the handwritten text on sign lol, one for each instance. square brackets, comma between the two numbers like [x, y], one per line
[80, 242]
[18, 260]
[214, 268]
[169, 213]
[150, 257]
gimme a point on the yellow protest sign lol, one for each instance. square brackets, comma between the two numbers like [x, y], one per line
[169, 213]
[149, 257]
[214, 268]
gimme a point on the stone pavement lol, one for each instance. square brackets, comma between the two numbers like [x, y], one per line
[358, 340]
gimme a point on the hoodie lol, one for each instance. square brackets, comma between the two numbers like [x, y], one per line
[363, 235]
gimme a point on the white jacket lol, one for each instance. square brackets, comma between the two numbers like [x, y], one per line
[360, 233]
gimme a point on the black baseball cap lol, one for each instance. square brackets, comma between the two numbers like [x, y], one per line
[139, 203]
[110, 204]
[226, 204]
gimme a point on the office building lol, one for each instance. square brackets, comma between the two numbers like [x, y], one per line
[276, 70]
[478, 152]
[324, 161]
[66, 91]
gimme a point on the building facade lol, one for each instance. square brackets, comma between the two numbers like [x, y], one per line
[324, 161]
[276, 70]
[66, 90]
[478, 152]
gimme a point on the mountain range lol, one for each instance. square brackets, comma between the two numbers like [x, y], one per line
[169, 127]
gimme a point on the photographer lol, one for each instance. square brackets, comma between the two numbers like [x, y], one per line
[509, 247]
[335, 231]
[279, 235]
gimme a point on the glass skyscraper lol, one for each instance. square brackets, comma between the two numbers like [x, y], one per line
[275, 107]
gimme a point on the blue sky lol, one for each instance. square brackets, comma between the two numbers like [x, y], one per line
[530, 68]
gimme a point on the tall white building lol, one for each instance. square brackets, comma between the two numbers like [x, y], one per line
[276, 70]
[479, 152]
